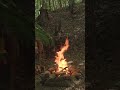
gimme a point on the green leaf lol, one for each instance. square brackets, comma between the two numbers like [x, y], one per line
[43, 36]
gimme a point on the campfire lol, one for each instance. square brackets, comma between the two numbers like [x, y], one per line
[63, 67]
[62, 64]
[63, 70]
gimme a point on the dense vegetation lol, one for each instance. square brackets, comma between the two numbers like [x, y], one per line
[52, 5]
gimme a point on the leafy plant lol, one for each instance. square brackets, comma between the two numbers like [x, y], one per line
[43, 36]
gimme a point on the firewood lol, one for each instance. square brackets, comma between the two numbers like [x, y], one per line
[59, 73]
[70, 62]
[51, 70]
[72, 70]
[52, 76]
[78, 76]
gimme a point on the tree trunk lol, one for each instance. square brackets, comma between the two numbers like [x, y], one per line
[43, 18]
[65, 2]
[53, 1]
[43, 3]
[60, 3]
[83, 1]
[40, 50]
[71, 6]
[50, 5]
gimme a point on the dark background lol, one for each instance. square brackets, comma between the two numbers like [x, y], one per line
[102, 44]
[17, 28]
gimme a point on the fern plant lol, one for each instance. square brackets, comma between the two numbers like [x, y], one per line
[43, 36]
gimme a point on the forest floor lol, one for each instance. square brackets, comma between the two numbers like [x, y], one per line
[74, 25]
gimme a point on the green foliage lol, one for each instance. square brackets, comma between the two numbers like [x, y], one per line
[43, 36]
[37, 7]
[51, 5]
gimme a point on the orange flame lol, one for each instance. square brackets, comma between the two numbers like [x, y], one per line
[59, 59]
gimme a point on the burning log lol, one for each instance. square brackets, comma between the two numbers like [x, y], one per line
[70, 62]
[39, 69]
[72, 70]
[64, 69]
[52, 70]
[58, 74]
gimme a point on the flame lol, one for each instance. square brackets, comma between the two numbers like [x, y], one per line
[59, 58]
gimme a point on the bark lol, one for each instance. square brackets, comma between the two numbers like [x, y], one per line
[43, 3]
[43, 17]
[60, 3]
[53, 1]
[71, 6]
[83, 1]
[65, 2]
[50, 4]
[40, 50]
